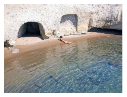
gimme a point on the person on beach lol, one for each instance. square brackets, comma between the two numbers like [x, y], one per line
[61, 39]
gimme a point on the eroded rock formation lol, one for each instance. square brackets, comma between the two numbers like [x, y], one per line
[58, 19]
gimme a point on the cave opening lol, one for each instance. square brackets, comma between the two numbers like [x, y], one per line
[30, 29]
[69, 23]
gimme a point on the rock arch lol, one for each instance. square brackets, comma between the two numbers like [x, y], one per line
[68, 24]
[32, 29]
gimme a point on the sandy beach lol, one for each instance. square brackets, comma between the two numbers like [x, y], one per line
[30, 44]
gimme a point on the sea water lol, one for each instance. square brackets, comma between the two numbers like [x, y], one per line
[88, 66]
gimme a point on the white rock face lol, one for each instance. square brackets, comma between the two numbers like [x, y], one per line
[107, 16]
[60, 19]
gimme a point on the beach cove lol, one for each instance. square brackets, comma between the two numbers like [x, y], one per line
[29, 44]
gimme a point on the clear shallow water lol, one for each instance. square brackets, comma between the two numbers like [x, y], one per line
[88, 66]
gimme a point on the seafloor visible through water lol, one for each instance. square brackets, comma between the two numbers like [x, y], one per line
[88, 66]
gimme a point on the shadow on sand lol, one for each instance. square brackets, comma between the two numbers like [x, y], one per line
[32, 35]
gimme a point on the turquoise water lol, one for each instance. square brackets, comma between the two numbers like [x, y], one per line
[88, 66]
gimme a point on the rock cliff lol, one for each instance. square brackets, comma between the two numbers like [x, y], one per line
[59, 19]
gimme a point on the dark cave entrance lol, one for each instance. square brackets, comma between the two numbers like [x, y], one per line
[31, 29]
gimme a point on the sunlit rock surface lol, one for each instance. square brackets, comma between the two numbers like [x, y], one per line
[60, 19]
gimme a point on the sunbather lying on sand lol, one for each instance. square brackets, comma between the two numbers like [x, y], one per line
[61, 39]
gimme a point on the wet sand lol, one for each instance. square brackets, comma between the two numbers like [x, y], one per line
[30, 44]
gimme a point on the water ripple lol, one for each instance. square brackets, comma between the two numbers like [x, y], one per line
[88, 66]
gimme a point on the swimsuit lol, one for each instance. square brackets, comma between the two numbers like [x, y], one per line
[59, 39]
